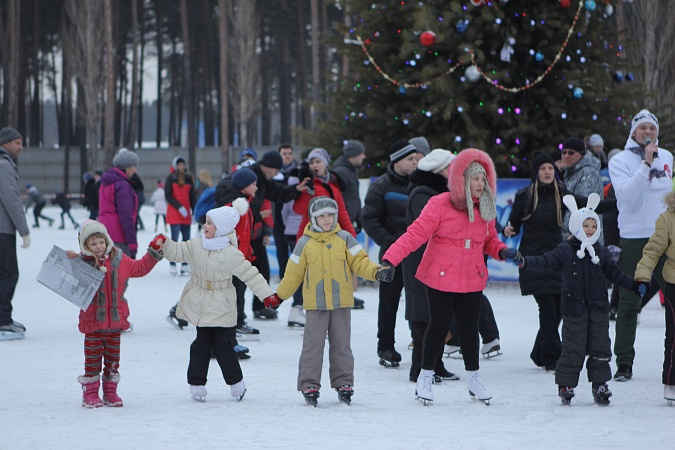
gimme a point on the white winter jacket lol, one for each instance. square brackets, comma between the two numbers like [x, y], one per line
[209, 298]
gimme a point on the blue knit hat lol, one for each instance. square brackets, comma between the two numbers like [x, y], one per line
[243, 178]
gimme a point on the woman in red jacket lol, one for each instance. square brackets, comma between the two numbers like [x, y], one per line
[459, 228]
[179, 191]
[325, 184]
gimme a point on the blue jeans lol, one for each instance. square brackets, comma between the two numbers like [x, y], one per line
[184, 230]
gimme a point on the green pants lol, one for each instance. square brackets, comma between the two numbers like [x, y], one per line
[629, 303]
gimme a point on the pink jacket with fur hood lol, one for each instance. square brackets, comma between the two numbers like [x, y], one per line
[453, 260]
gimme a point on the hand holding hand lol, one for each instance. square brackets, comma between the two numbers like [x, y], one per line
[183, 212]
[266, 240]
[640, 288]
[158, 242]
[510, 255]
[26, 241]
[386, 272]
[273, 301]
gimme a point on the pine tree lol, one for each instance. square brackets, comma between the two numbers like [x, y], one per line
[577, 96]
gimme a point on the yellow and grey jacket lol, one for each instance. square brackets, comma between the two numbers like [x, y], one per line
[662, 241]
[324, 263]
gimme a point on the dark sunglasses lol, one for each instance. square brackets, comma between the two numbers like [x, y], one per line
[567, 152]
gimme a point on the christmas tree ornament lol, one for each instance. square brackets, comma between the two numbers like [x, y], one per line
[565, 3]
[462, 25]
[401, 90]
[539, 56]
[618, 76]
[609, 10]
[630, 76]
[428, 38]
[507, 50]
[477, 2]
[590, 5]
[472, 74]
[578, 92]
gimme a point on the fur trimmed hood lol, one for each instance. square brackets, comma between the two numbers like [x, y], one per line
[457, 181]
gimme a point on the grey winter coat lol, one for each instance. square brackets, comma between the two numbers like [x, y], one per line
[12, 216]
[347, 173]
[583, 178]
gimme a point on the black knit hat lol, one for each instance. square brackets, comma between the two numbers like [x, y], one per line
[400, 149]
[539, 160]
[575, 144]
[272, 160]
[243, 178]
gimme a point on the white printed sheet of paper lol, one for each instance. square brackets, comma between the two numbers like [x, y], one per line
[73, 279]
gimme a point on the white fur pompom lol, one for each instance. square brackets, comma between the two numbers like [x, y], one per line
[103, 269]
[240, 205]
[595, 259]
[580, 253]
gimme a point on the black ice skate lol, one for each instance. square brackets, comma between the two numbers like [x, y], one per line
[345, 393]
[389, 357]
[175, 321]
[311, 395]
[601, 393]
[566, 394]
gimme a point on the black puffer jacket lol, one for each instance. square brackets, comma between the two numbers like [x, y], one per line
[383, 215]
[350, 194]
[423, 185]
[584, 284]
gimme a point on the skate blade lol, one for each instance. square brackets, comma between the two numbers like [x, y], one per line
[173, 323]
[389, 364]
[248, 337]
[312, 402]
[241, 397]
[425, 401]
[11, 336]
[199, 399]
[296, 325]
[453, 355]
[671, 401]
[565, 401]
[484, 400]
[492, 354]
[345, 401]
[601, 402]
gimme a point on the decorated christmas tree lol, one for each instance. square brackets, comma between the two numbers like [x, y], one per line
[512, 77]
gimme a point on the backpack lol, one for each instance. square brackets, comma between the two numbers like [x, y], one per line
[206, 202]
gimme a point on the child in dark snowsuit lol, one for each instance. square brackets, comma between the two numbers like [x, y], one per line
[585, 266]
[63, 201]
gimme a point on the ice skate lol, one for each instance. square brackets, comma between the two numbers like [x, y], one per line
[389, 357]
[566, 394]
[12, 332]
[452, 351]
[669, 394]
[491, 349]
[185, 270]
[238, 390]
[444, 375]
[296, 318]
[476, 388]
[173, 270]
[265, 314]
[423, 387]
[345, 393]
[311, 395]
[623, 373]
[601, 393]
[241, 352]
[198, 393]
[247, 333]
[175, 321]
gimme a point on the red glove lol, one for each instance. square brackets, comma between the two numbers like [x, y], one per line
[273, 301]
[157, 239]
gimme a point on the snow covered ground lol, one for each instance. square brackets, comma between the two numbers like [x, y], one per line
[40, 397]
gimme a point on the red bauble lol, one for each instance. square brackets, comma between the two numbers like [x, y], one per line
[565, 3]
[428, 38]
[477, 2]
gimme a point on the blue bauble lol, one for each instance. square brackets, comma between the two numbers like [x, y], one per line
[618, 76]
[401, 90]
[578, 92]
[539, 56]
[630, 76]
[590, 5]
[462, 25]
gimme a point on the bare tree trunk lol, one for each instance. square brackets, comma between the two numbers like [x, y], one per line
[348, 24]
[304, 118]
[109, 120]
[12, 74]
[160, 59]
[316, 59]
[284, 71]
[265, 85]
[188, 93]
[223, 28]
[132, 126]
[140, 75]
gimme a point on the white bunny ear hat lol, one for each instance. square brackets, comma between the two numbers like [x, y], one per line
[577, 218]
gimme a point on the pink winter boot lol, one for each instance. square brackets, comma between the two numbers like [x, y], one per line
[110, 397]
[90, 385]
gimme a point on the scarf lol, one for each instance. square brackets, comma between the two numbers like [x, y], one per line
[216, 243]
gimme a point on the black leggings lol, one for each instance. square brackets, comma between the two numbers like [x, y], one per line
[442, 307]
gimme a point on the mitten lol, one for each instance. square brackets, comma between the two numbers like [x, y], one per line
[159, 239]
[273, 301]
[511, 255]
[132, 253]
[183, 212]
[357, 226]
[614, 253]
[640, 288]
[386, 272]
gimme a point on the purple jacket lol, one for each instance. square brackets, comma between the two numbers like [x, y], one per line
[118, 207]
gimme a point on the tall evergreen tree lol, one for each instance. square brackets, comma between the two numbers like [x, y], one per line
[499, 76]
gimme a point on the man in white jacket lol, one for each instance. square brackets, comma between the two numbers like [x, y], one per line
[641, 176]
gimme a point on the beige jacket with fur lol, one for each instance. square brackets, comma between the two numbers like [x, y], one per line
[662, 241]
[209, 298]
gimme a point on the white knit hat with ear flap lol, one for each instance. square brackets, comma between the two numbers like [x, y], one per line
[225, 219]
[319, 206]
[577, 218]
[90, 227]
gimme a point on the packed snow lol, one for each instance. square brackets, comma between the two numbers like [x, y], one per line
[41, 397]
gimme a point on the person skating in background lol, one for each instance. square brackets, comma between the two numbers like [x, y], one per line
[158, 201]
[92, 183]
[118, 204]
[204, 182]
[323, 261]
[291, 220]
[179, 192]
[106, 317]
[139, 189]
[12, 220]
[209, 299]
[586, 265]
[346, 167]
[61, 199]
[459, 229]
[661, 243]
[38, 202]
[383, 218]
[595, 145]
[429, 180]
